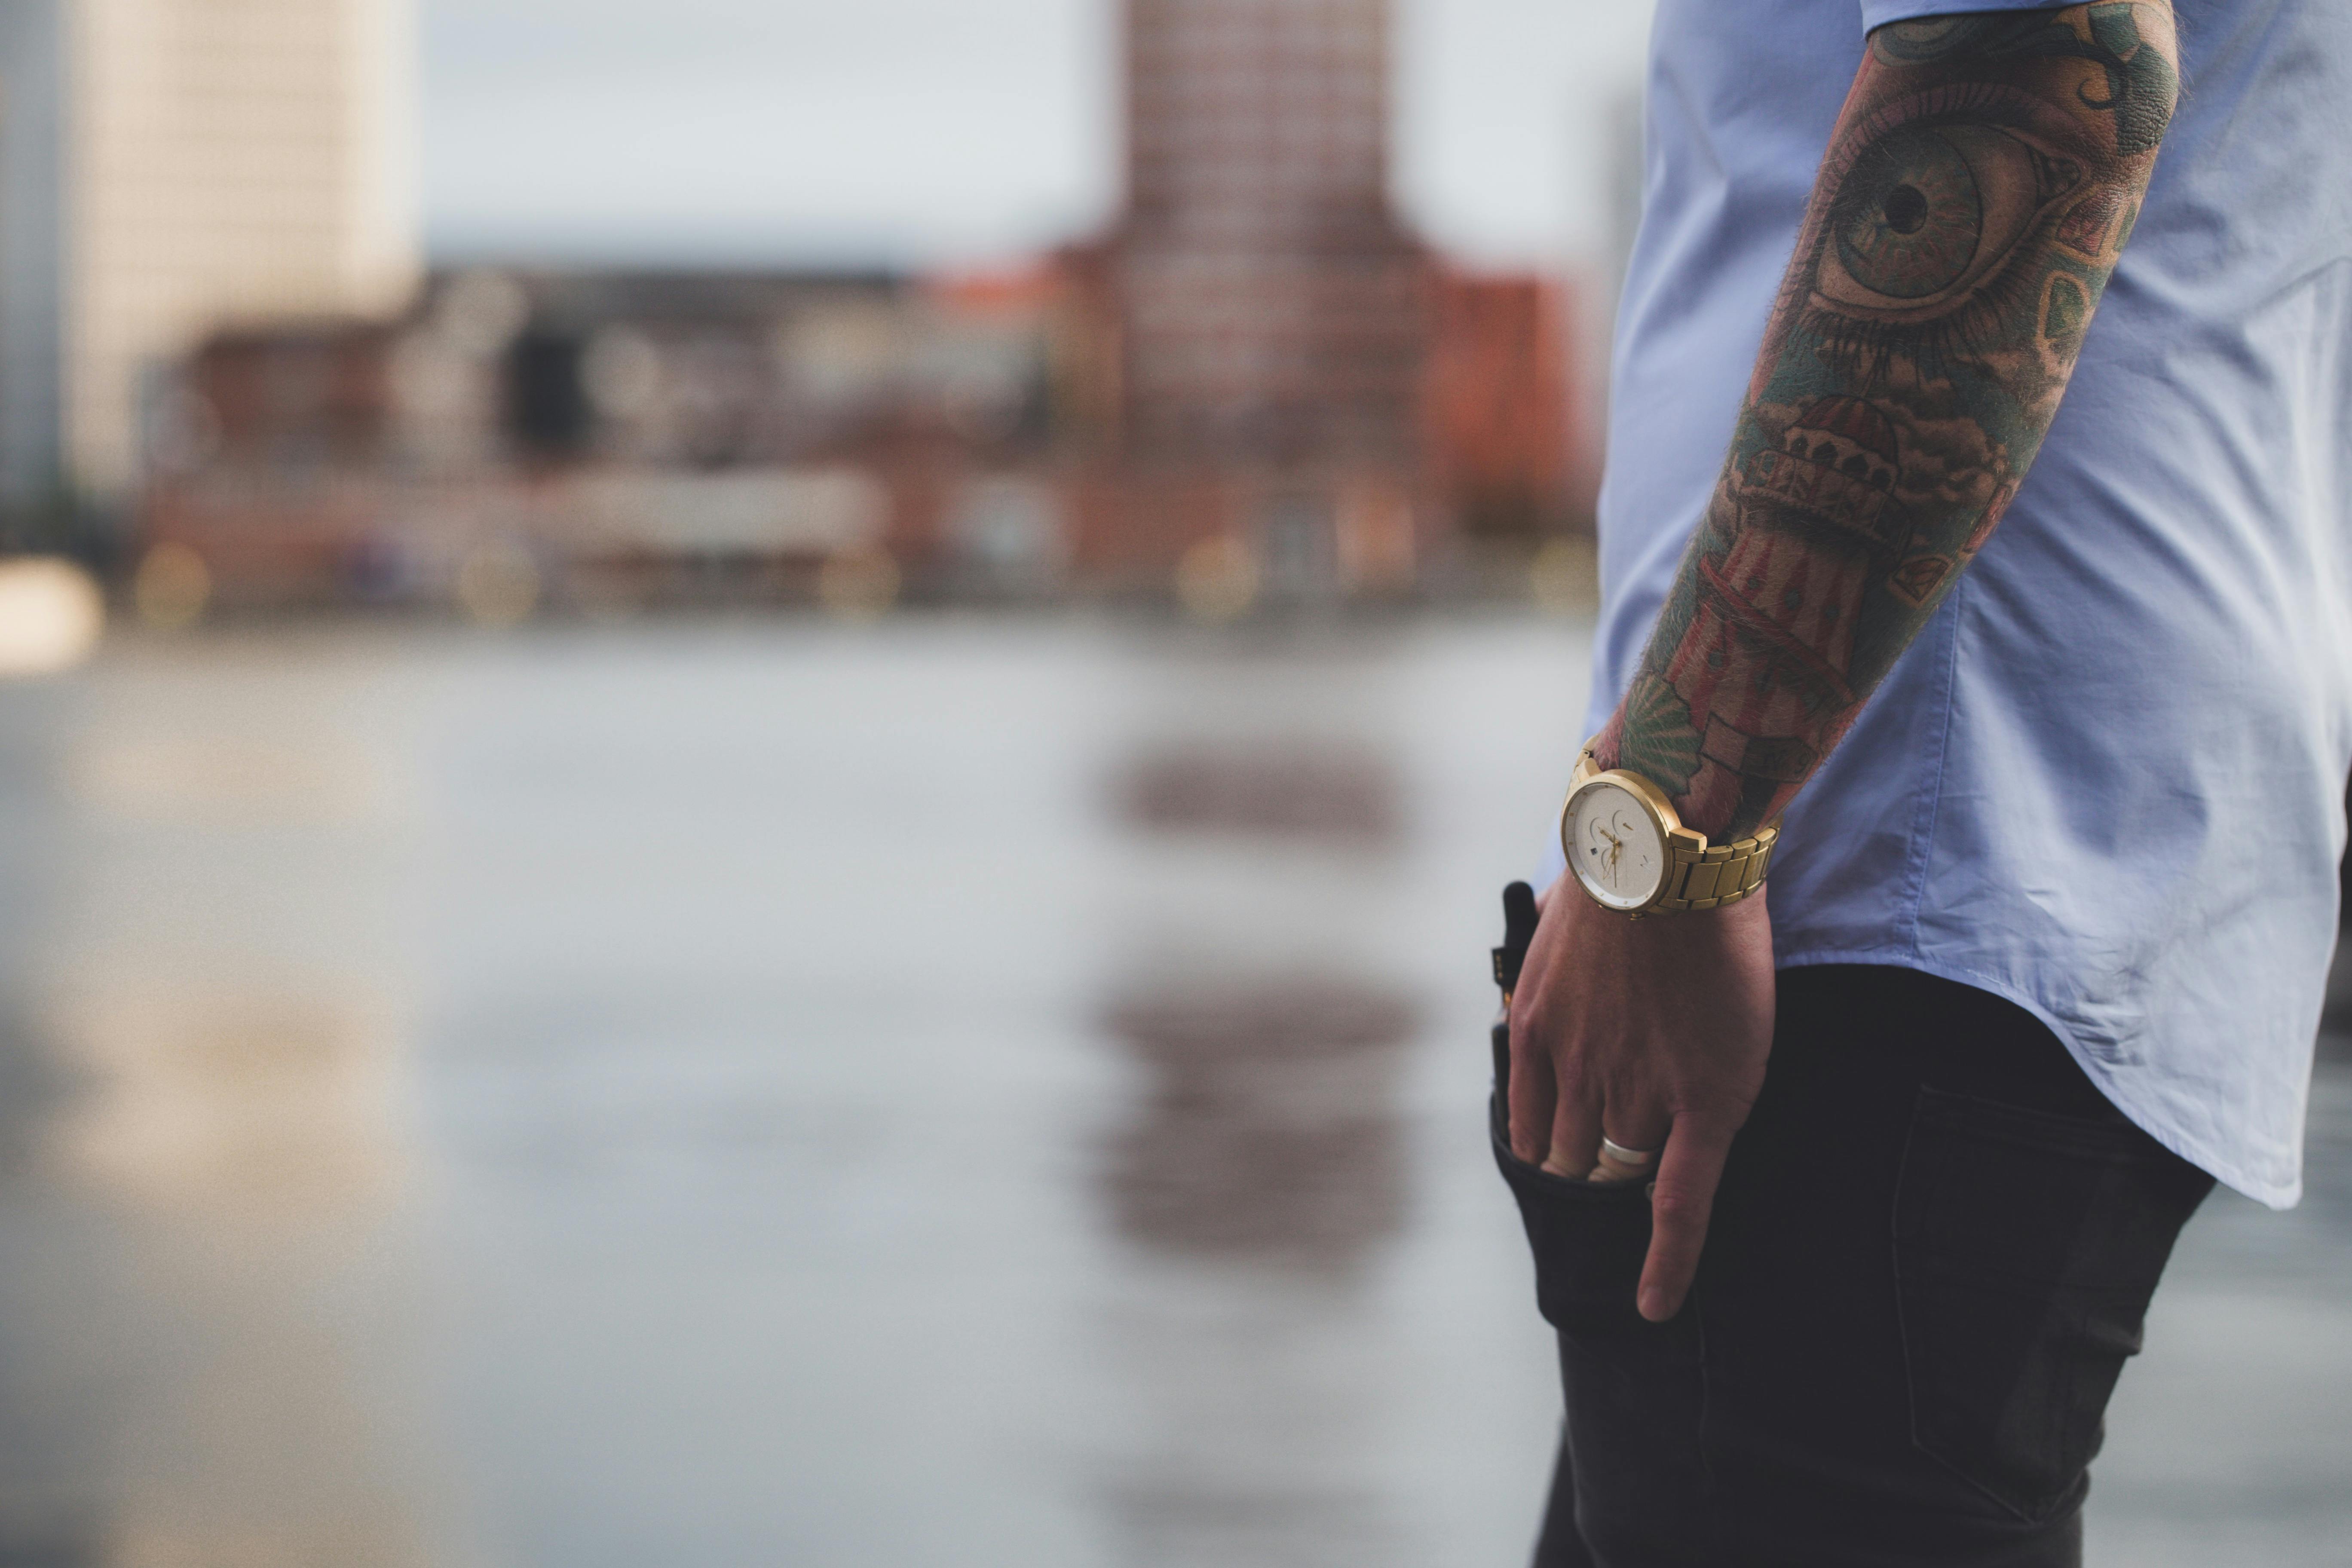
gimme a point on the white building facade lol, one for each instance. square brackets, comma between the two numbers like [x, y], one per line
[172, 167]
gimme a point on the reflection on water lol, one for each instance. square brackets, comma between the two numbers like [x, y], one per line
[940, 1093]
[264, 1098]
[196, 1327]
[1270, 1129]
[1269, 786]
[1261, 1173]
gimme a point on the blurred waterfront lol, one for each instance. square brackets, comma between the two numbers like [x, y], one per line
[946, 1090]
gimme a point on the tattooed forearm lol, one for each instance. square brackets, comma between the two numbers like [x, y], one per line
[1981, 181]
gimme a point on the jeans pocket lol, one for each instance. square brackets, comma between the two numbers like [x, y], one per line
[1589, 1239]
[2026, 1245]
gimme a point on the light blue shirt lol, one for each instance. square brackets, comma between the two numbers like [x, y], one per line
[2107, 782]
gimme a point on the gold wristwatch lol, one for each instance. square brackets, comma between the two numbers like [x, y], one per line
[1631, 853]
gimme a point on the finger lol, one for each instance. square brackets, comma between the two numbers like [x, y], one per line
[1575, 1134]
[1648, 1135]
[1529, 1099]
[1680, 1203]
[1607, 1169]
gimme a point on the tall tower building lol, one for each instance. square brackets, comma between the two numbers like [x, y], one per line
[1272, 306]
[168, 167]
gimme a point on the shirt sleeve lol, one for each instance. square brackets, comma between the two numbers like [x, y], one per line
[1878, 13]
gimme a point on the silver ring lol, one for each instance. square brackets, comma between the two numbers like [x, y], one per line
[1612, 1149]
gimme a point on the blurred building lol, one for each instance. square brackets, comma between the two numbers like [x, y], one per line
[1503, 420]
[1258, 388]
[621, 438]
[170, 167]
[1272, 308]
[1268, 317]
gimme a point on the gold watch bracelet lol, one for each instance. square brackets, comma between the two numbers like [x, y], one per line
[1699, 875]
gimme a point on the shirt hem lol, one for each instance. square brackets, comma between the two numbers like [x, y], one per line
[2222, 1168]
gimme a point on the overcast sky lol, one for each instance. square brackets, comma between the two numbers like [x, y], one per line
[932, 133]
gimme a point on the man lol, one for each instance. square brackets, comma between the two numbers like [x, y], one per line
[2014, 638]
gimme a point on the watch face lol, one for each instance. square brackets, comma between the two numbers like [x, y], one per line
[1615, 847]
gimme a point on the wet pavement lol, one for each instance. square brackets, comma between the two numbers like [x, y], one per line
[945, 1092]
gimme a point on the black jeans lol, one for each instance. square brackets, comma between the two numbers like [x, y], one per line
[1932, 1250]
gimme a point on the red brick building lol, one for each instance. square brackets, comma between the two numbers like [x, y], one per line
[1269, 314]
[1504, 434]
[1283, 366]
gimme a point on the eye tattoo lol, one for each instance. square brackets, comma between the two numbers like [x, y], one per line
[1921, 233]
[1910, 217]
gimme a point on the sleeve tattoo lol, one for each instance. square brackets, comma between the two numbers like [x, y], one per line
[1983, 176]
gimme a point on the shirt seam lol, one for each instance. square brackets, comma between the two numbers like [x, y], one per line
[1924, 817]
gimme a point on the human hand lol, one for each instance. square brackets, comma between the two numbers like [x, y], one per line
[1655, 1033]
